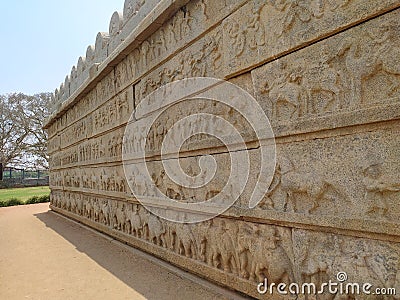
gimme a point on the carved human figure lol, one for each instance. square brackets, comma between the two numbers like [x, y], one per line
[138, 182]
[145, 49]
[187, 24]
[320, 77]
[122, 184]
[255, 28]
[289, 12]
[95, 185]
[286, 91]
[236, 34]
[384, 41]
[377, 188]
[203, 6]
[319, 7]
[161, 43]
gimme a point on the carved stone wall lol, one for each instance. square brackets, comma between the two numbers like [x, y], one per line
[327, 75]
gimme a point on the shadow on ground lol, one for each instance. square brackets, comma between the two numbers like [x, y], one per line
[146, 278]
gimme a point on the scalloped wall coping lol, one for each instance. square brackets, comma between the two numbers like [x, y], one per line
[125, 35]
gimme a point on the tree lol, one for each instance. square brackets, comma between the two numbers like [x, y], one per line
[37, 110]
[22, 139]
[14, 128]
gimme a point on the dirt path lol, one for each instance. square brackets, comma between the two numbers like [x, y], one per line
[44, 256]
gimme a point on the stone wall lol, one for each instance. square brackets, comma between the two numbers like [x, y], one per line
[327, 75]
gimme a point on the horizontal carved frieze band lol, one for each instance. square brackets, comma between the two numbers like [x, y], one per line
[242, 250]
[175, 256]
[351, 71]
[375, 229]
[284, 10]
[109, 147]
[146, 49]
[261, 31]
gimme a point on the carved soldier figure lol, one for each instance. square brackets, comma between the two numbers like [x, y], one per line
[377, 186]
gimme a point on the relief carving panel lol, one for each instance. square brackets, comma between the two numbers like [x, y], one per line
[346, 73]
[106, 148]
[262, 30]
[340, 176]
[246, 252]
[204, 58]
[321, 257]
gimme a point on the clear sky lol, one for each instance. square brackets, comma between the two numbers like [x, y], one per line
[41, 40]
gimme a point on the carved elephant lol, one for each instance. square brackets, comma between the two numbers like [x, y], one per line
[88, 209]
[156, 230]
[79, 206]
[269, 258]
[105, 212]
[96, 210]
[135, 221]
[184, 239]
[221, 249]
[119, 216]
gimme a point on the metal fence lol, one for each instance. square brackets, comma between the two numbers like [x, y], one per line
[15, 173]
[15, 177]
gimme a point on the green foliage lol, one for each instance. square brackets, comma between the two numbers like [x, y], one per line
[44, 199]
[12, 202]
[38, 199]
[32, 200]
[21, 121]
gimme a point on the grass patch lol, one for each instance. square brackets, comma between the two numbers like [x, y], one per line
[23, 194]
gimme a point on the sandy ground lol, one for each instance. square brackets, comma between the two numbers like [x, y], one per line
[45, 256]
